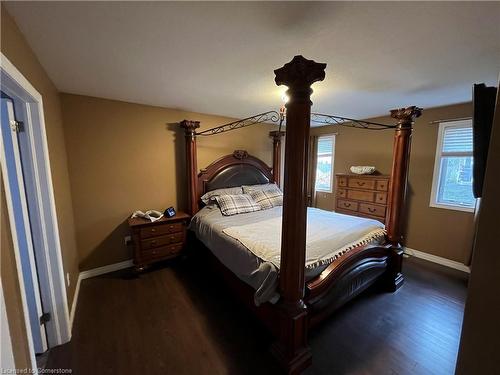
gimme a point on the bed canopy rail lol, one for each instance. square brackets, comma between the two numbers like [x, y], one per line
[319, 118]
[270, 117]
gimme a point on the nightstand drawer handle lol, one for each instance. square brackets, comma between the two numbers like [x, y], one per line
[171, 227]
[153, 242]
[372, 210]
[347, 205]
[360, 183]
[153, 230]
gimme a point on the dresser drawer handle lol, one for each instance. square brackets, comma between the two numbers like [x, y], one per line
[153, 242]
[347, 204]
[172, 238]
[154, 252]
[372, 210]
[380, 198]
[153, 230]
[171, 227]
[360, 183]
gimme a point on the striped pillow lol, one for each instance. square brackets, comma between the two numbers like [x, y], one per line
[237, 204]
[267, 198]
[210, 196]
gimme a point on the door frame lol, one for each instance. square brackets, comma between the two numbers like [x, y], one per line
[53, 283]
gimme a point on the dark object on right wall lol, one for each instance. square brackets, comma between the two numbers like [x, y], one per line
[484, 99]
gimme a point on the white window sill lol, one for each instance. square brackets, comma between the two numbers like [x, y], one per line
[452, 207]
[324, 191]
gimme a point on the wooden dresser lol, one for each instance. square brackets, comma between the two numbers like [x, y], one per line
[160, 240]
[362, 195]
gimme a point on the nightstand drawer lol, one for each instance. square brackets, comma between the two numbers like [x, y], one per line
[372, 209]
[160, 252]
[159, 230]
[347, 205]
[162, 241]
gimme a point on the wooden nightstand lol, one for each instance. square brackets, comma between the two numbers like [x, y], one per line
[160, 240]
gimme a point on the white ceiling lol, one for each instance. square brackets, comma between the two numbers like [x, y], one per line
[219, 57]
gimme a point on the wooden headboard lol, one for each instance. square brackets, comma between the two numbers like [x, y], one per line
[236, 169]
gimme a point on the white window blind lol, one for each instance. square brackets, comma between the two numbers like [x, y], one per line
[457, 140]
[452, 182]
[324, 163]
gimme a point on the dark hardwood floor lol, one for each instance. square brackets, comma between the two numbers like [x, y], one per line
[176, 319]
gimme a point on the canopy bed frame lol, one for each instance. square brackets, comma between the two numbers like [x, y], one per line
[304, 304]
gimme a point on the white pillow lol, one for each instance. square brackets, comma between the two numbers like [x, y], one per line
[210, 196]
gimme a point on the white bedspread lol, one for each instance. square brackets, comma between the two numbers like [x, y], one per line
[329, 235]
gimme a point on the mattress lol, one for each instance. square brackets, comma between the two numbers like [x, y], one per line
[261, 272]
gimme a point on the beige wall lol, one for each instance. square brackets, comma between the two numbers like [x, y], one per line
[17, 50]
[125, 157]
[479, 350]
[436, 231]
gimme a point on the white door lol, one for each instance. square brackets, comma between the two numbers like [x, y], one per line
[14, 187]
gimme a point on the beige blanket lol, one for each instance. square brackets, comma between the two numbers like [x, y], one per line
[329, 235]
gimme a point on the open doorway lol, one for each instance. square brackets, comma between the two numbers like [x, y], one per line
[31, 209]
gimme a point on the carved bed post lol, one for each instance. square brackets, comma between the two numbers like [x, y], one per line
[277, 135]
[191, 164]
[397, 188]
[291, 349]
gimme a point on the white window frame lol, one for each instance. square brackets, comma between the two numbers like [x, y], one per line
[332, 136]
[437, 165]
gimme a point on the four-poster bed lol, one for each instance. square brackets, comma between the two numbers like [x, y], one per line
[303, 302]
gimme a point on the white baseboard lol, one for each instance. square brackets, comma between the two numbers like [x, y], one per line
[92, 273]
[435, 259]
[106, 269]
[73, 305]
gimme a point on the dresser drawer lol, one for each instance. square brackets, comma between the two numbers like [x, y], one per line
[382, 185]
[361, 183]
[360, 195]
[372, 209]
[342, 181]
[160, 252]
[342, 193]
[381, 198]
[347, 205]
[159, 230]
[162, 240]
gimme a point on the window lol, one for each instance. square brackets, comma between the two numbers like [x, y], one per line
[452, 181]
[324, 163]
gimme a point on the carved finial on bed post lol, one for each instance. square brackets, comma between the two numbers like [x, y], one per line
[191, 164]
[398, 184]
[277, 136]
[291, 348]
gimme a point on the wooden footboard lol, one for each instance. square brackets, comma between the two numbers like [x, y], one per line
[345, 278]
[340, 282]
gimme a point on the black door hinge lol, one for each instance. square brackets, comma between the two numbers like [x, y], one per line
[45, 318]
[17, 126]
